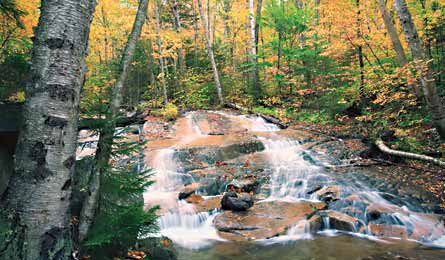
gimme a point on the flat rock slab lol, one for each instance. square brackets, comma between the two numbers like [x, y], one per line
[264, 220]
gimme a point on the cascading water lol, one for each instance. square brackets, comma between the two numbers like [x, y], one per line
[179, 220]
[295, 175]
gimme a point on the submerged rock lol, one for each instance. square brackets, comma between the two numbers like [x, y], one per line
[264, 220]
[236, 201]
[385, 230]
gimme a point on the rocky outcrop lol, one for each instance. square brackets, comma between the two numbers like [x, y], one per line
[264, 220]
[236, 201]
[207, 151]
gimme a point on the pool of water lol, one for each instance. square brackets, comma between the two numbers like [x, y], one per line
[320, 247]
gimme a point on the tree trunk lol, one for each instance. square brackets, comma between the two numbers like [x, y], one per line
[360, 50]
[105, 143]
[427, 80]
[401, 57]
[39, 192]
[178, 27]
[258, 16]
[227, 6]
[161, 58]
[211, 54]
[256, 88]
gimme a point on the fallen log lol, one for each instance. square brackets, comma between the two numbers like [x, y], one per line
[267, 118]
[385, 149]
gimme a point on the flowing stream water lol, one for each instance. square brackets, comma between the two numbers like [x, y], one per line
[295, 172]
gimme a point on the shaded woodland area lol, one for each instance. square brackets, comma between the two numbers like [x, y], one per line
[368, 69]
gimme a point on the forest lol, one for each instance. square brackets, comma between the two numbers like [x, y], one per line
[222, 129]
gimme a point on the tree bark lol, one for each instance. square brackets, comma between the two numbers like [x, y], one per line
[105, 143]
[256, 88]
[211, 54]
[393, 35]
[427, 80]
[385, 149]
[178, 27]
[161, 58]
[39, 192]
[360, 49]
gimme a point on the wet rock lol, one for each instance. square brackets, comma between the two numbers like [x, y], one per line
[429, 227]
[315, 223]
[188, 190]
[246, 184]
[236, 201]
[194, 199]
[385, 230]
[158, 248]
[383, 211]
[206, 151]
[329, 194]
[340, 221]
[209, 204]
[264, 220]
[315, 189]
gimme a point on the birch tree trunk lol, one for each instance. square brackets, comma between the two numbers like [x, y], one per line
[419, 54]
[161, 58]
[211, 54]
[39, 192]
[401, 57]
[256, 88]
[178, 26]
[105, 143]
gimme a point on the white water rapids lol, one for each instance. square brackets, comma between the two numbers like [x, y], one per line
[293, 175]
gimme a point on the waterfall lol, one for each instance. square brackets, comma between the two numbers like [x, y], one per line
[295, 174]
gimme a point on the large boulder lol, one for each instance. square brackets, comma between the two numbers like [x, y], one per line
[264, 220]
[236, 201]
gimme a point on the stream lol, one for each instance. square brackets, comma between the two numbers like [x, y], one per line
[303, 208]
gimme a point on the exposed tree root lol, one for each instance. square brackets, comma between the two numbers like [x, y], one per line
[385, 149]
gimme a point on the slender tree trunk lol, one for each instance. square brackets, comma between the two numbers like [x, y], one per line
[258, 18]
[256, 88]
[103, 152]
[419, 54]
[211, 54]
[178, 27]
[395, 40]
[39, 192]
[227, 6]
[390, 28]
[161, 58]
[196, 36]
[360, 49]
